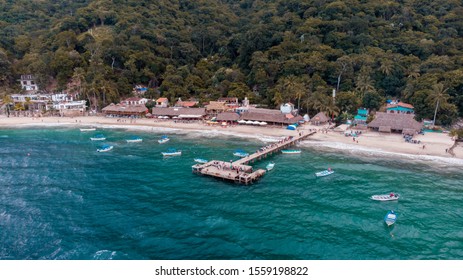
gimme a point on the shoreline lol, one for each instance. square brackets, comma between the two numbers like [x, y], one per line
[368, 143]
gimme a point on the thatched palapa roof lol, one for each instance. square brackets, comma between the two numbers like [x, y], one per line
[320, 117]
[270, 118]
[124, 109]
[177, 111]
[228, 117]
[399, 122]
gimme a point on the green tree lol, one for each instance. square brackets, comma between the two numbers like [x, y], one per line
[438, 95]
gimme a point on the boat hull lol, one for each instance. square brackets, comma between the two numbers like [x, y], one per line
[105, 149]
[324, 173]
[290, 152]
[390, 218]
[385, 197]
[172, 154]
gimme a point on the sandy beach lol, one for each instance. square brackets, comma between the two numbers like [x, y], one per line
[431, 144]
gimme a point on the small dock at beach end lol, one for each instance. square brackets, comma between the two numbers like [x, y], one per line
[238, 171]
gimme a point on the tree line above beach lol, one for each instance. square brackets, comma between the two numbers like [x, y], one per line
[269, 51]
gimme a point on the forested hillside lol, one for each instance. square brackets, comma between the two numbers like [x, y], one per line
[270, 51]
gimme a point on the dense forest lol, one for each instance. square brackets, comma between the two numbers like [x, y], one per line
[271, 51]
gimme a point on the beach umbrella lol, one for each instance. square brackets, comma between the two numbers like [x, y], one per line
[242, 121]
[160, 117]
[175, 117]
[249, 122]
[291, 127]
[166, 117]
[256, 122]
[263, 123]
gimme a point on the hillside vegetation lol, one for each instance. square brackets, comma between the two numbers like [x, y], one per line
[271, 51]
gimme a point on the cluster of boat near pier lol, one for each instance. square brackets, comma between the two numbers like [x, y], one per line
[390, 217]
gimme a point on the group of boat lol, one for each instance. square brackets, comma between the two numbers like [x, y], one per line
[390, 217]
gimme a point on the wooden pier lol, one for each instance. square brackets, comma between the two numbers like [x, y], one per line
[238, 171]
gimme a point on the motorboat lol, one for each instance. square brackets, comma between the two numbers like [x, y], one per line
[98, 137]
[390, 217]
[105, 148]
[270, 166]
[134, 139]
[290, 151]
[324, 173]
[201, 160]
[87, 129]
[386, 197]
[163, 139]
[240, 153]
[172, 152]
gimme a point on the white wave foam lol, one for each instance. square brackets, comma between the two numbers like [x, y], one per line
[104, 255]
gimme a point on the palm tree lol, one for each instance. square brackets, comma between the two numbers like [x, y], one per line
[7, 100]
[438, 95]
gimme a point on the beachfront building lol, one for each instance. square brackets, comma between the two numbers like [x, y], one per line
[269, 116]
[125, 111]
[28, 83]
[63, 103]
[361, 117]
[401, 123]
[187, 104]
[395, 107]
[215, 107]
[162, 102]
[228, 118]
[230, 102]
[319, 119]
[134, 101]
[179, 113]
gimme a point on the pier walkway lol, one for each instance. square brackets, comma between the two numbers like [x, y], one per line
[238, 171]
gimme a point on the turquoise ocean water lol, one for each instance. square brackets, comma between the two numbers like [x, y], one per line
[60, 199]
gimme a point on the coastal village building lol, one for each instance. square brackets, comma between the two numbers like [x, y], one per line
[62, 102]
[215, 107]
[162, 102]
[179, 113]
[400, 108]
[228, 117]
[402, 123]
[135, 101]
[125, 111]
[186, 104]
[361, 117]
[28, 83]
[319, 119]
[269, 116]
[230, 102]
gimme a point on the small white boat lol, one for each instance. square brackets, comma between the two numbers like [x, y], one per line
[386, 197]
[291, 151]
[163, 139]
[87, 129]
[270, 166]
[390, 218]
[201, 160]
[240, 153]
[105, 148]
[98, 137]
[134, 139]
[172, 152]
[324, 173]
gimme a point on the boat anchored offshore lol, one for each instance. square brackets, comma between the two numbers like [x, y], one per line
[87, 129]
[324, 173]
[386, 197]
[105, 148]
[134, 139]
[290, 151]
[390, 218]
[172, 152]
[270, 166]
[201, 160]
[98, 137]
[163, 139]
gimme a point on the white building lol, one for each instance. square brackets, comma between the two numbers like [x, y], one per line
[28, 83]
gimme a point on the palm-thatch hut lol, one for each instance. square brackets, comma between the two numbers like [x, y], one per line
[271, 117]
[228, 117]
[402, 123]
[122, 110]
[179, 112]
[319, 119]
